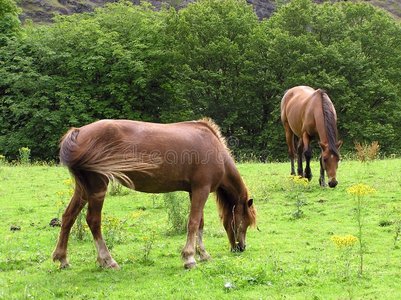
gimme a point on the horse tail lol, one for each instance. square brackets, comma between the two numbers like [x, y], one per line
[112, 159]
[70, 158]
[69, 147]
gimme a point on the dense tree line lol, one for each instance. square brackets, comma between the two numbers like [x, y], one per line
[212, 58]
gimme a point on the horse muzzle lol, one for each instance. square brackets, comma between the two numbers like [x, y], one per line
[238, 248]
[333, 183]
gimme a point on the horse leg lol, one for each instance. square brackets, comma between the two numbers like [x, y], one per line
[94, 220]
[308, 156]
[321, 179]
[300, 154]
[289, 136]
[75, 206]
[198, 200]
[200, 249]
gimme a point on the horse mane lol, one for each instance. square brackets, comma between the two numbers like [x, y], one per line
[329, 122]
[226, 203]
[215, 129]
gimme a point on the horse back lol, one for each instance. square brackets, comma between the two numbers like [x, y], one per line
[171, 156]
[297, 109]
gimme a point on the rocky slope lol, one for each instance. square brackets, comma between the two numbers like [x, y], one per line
[42, 11]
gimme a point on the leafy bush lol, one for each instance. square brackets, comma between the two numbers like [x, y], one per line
[212, 58]
[177, 212]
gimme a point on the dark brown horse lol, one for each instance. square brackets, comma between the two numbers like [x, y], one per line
[307, 113]
[154, 158]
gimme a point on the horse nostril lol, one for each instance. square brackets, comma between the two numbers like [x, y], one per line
[333, 184]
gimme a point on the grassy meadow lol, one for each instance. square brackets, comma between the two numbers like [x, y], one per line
[292, 255]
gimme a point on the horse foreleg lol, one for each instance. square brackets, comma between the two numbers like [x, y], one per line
[94, 220]
[321, 179]
[300, 150]
[198, 200]
[200, 249]
[75, 206]
[308, 155]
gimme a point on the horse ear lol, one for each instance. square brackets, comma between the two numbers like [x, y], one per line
[339, 144]
[250, 202]
[323, 146]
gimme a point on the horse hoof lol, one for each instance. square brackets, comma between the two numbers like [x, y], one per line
[64, 266]
[114, 266]
[205, 257]
[63, 261]
[190, 264]
[108, 263]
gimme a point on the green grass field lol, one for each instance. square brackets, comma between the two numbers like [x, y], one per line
[292, 256]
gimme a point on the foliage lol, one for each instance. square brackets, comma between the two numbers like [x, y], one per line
[212, 58]
[24, 155]
[9, 22]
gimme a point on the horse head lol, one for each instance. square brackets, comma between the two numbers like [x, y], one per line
[236, 223]
[329, 162]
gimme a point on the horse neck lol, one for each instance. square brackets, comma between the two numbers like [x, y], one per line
[233, 183]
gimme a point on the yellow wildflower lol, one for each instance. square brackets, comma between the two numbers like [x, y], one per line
[361, 189]
[344, 241]
[136, 214]
[68, 181]
[298, 180]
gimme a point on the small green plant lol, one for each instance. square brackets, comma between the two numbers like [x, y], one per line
[2, 160]
[297, 188]
[397, 227]
[113, 229]
[147, 248]
[397, 232]
[80, 229]
[24, 155]
[359, 191]
[116, 189]
[177, 211]
[345, 245]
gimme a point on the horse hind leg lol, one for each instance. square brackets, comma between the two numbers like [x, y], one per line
[290, 139]
[75, 206]
[94, 219]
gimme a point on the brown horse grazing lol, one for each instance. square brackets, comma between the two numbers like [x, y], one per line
[154, 158]
[307, 113]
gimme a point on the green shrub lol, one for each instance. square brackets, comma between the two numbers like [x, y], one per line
[177, 211]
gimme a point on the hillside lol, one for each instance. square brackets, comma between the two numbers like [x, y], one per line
[42, 11]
